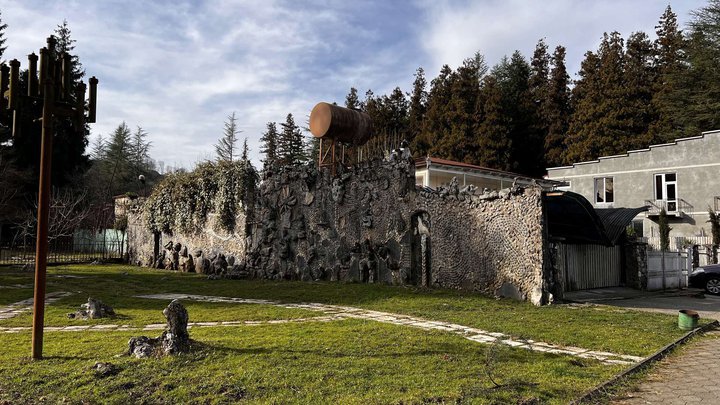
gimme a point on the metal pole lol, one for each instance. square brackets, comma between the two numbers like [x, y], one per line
[41, 246]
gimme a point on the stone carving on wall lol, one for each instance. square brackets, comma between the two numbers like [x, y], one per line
[370, 224]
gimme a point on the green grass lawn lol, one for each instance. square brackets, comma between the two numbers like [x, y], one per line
[349, 361]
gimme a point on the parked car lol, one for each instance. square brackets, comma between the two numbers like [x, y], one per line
[707, 277]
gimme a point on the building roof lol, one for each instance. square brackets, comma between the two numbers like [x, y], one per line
[628, 153]
[426, 162]
[616, 220]
[572, 219]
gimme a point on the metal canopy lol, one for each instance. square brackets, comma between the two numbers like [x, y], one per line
[573, 220]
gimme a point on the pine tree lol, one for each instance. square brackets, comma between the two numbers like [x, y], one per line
[697, 93]
[99, 148]
[538, 82]
[557, 110]
[601, 124]
[69, 158]
[389, 115]
[526, 145]
[670, 50]
[459, 142]
[493, 135]
[245, 155]
[417, 107]
[352, 100]
[226, 148]
[65, 43]
[290, 146]
[436, 124]
[639, 82]
[539, 92]
[397, 112]
[3, 27]
[140, 152]
[269, 146]
[580, 142]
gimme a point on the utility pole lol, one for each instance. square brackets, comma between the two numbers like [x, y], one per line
[53, 89]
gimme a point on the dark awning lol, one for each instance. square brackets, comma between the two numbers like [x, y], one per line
[572, 219]
[616, 220]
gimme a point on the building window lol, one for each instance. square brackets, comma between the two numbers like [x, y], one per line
[666, 190]
[604, 192]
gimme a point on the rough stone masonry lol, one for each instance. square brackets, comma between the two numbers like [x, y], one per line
[370, 224]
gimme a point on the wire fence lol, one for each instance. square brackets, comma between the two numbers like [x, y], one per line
[65, 251]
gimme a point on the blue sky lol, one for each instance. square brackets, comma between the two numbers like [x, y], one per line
[179, 68]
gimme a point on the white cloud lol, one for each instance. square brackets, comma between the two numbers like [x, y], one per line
[178, 68]
[497, 28]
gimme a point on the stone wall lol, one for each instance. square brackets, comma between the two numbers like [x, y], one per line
[370, 224]
[491, 243]
[212, 250]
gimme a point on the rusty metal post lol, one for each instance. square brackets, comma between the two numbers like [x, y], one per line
[32, 84]
[41, 247]
[55, 85]
[92, 105]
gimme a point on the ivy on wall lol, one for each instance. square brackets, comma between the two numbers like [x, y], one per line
[181, 202]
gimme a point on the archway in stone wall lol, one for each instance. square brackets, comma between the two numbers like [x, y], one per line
[420, 246]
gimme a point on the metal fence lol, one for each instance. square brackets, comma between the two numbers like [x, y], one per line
[590, 266]
[679, 243]
[64, 251]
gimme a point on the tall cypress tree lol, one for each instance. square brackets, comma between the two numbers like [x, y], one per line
[3, 27]
[290, 145]
[418, 106]
[580, 142]
[69, 159]
[493, 136]
[539, 92]
[459, 142]
[65, 43]
[526, 146]
[601, 123]
[269, 146]
[557, 110]
[245, 154]
[640, 77]
[397, 112]
[436, 124]
[697, 95]
[670, 50]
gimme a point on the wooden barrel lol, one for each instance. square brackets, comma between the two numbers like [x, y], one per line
[330, 121]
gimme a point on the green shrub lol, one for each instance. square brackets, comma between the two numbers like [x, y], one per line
[181, 202]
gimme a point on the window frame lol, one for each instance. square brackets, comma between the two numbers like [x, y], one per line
[664, 183]
[604, 188]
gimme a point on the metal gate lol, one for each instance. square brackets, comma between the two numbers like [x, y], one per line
[590, 266]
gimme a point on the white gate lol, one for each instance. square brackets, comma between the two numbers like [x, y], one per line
[675, 272]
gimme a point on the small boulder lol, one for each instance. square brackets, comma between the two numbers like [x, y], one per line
[175, 339]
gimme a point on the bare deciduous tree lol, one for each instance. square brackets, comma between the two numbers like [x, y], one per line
[67, 214]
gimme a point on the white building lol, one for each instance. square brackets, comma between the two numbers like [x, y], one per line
[433, 172]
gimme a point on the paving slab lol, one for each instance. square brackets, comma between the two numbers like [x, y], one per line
[688, 377]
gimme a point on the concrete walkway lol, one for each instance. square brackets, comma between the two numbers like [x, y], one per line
[708, 306]
[330, 313]
[689, 377]
[20, 307]
[474, 334]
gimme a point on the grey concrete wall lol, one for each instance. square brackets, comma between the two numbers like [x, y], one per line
[696, 161]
